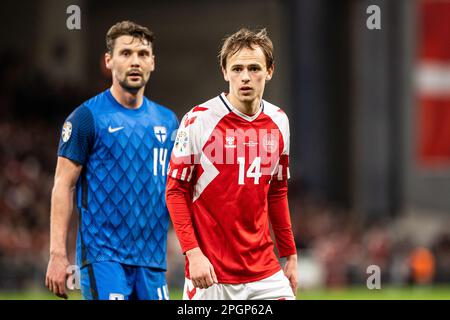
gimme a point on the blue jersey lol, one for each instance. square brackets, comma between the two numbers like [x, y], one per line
[121, 189]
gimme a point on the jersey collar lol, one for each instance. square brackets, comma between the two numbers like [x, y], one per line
[230, 108]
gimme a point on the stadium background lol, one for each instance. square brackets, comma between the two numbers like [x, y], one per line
[369, 113]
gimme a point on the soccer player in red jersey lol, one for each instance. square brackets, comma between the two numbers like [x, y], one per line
[227, 182]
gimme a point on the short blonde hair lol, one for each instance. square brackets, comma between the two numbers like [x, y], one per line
[245, 38]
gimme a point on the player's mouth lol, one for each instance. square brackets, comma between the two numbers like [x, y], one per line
[245, 89]
[134, 75]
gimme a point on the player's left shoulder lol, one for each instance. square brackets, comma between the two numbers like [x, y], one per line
[275, 112]
[161, 110]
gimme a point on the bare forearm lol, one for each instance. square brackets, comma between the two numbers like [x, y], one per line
[292, 258]
[61, 211]
[66, 176]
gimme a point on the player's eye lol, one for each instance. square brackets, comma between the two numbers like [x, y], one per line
[144, 53]
[237, 69]
[254, 68]
[126, 53]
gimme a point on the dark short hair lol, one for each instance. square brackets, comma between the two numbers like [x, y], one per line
[127, 28]
[244, 38]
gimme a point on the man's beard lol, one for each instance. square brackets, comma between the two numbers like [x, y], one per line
[132, 87]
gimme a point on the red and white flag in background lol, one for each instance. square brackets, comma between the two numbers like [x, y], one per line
[433, 80]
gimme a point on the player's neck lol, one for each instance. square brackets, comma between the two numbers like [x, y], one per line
[249, 108]
[130, 100]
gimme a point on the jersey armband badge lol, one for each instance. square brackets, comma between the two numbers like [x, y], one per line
[182, 141]
[66, 131]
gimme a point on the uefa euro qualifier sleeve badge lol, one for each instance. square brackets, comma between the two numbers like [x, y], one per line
[181, 141]
[66, 131]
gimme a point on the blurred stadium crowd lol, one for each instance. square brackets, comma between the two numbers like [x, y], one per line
[29, 126]
[335, 246]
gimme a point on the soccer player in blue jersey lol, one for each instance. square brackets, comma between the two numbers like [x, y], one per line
[113, 152]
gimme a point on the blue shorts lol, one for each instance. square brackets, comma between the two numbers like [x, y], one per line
[115, 281]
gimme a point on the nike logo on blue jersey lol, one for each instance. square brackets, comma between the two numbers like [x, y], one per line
[111, 130]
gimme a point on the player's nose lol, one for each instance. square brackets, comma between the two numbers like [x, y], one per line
[135, 60]
[245, 76]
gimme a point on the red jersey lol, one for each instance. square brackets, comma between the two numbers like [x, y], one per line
[232, 170]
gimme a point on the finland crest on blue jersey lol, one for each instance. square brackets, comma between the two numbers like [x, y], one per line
[121, 191]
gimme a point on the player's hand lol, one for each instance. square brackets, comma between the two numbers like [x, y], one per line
[57, 274]
[290, 271]
[201, 270]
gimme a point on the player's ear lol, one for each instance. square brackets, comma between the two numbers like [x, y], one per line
[153, 64]
[225, 75]
[108, 60]
[270, 72]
